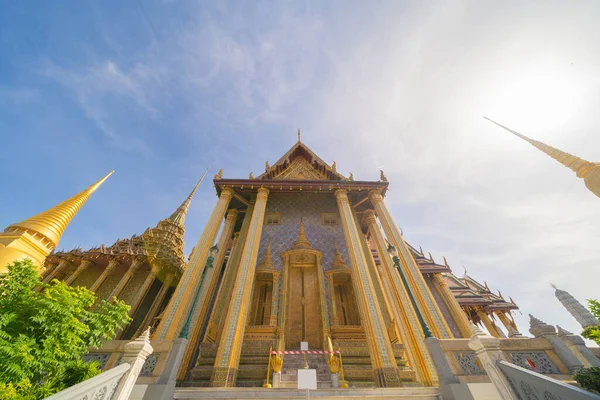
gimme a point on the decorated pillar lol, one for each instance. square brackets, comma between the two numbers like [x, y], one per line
[107, 271]
[508, 324]
[380, 349]
[217, 318]
[459, 316]
[427, 305]
[274, 299]
[404, 314]
[332, 305]
[285, 277]
[121, 285]
[230, 345]
[491, 328]
[56, 270]
[323, 301]
[207, 291]
[178, 307]
[83, 265]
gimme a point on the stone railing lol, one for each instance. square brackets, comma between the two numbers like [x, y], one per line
[112, 352]
[531, 385]
[117, 383]
[102, 386]
[465, 365]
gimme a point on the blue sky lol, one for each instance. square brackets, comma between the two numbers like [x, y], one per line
[160, 90]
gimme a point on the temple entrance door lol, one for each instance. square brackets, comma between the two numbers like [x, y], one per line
[304, 308]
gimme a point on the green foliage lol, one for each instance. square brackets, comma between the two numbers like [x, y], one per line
[592, 333]
[45, 330]
[594, 306]
[589, 378]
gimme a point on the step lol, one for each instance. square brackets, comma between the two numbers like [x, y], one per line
[407, 393]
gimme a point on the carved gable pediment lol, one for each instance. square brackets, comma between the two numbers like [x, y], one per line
[300, 168]
[302, 164]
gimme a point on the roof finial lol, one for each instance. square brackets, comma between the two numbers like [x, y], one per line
[553, 285]
[178, 217]
[588, 171]
[299, 136]
[382, 176]
[465, 274]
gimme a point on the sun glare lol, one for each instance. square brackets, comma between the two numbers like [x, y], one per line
[534, 103]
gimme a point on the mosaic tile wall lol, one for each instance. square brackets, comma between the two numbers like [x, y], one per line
[308, 207]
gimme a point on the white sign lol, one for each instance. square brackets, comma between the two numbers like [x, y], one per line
[307, 379]
[303, 345]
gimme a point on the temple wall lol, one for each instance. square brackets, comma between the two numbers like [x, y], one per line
[112, 280]
[308, 207]
[89, 276]
[442, 305]
[134, 284]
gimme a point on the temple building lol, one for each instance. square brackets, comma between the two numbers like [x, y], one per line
[301, 255]
[298, 254]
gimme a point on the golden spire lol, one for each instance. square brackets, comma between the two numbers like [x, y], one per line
[52, 223]
[178, 217]
[299, 135]
[267, 261]
[588, 171]
[302, 242]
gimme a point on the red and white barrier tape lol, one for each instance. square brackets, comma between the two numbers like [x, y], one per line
[305, 352]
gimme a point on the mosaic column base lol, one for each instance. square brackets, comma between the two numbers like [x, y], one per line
[387, 377]
[223, 377]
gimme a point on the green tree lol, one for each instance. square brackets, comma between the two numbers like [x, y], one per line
[45, 333]
[593, 332]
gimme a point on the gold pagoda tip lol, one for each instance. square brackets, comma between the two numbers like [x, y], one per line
[178, 217]
[581, 167]
[52, 223]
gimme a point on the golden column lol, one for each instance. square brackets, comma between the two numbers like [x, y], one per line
[508, 324]
[207, 292]
[423, 296]
[141, 293]
[459, 316]
[489, 325]
[230, 345]
[410, 328]
[128, 274]
[173, 319]
[56, 270]
[83, 265]
[107, 271]
[380, 349]
[332, 305]
[37, 236]
[274, 299]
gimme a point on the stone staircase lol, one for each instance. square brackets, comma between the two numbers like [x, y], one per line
[293, 362]
[403, 393]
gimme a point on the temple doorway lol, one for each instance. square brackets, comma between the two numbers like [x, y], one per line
[304, 308]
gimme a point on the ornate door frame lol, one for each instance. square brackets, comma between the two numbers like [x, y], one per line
[289, 259]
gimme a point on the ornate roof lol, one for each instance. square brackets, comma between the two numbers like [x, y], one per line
[300, 162]
[162, 246]
[466, 290]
